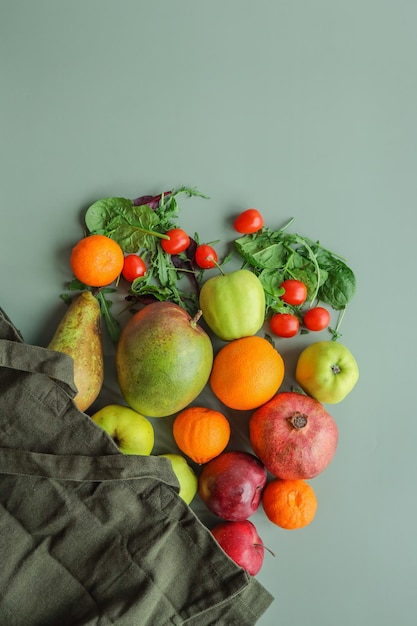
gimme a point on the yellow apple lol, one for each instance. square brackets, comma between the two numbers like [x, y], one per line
[185, 475]
[130, 431]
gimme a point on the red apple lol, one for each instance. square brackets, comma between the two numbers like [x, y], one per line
[231, 485]
[240, 540]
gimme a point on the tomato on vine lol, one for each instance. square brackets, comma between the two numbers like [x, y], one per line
[317, 318]
[178, 241]
[295, 292]
[249, 221]
[205, 256]
[284, 324]
[133, 267]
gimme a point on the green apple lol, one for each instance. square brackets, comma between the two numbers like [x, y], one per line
[327, 371]
[130, 431]
[185, 475]
[233, 304]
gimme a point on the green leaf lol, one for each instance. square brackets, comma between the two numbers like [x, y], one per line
[340, 285]
[271, 281]
[112, 325]
[262, 251]
[105, 214]
[133, 227]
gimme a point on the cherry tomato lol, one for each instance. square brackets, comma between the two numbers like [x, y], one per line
[133, 267]
[178, 241]
[284, 324]
[249, 221]
[295, 292]
[317, 318]
[205, 256]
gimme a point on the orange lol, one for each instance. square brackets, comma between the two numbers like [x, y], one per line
[201, 433]
[97, 260]
[290, 504]
[246, 372]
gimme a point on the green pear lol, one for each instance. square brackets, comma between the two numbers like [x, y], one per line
[79, 335]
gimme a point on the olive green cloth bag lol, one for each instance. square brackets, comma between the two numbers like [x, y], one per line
[89, 536]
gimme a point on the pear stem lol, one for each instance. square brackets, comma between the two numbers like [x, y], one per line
[196, 317]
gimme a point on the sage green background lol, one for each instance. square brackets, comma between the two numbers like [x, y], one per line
[304, 109]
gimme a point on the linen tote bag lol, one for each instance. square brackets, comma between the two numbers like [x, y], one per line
[89, 536]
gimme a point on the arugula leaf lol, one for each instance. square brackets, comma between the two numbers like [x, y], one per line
[112, 325]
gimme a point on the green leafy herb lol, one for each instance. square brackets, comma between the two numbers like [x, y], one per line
[137, 226]
[275, 256]
[112, 324]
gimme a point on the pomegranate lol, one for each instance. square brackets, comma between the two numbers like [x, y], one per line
[293, 435]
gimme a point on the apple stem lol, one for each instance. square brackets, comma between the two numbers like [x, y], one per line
[218, 267]
[297, 420]
[261, 545]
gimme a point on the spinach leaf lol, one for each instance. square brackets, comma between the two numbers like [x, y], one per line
[275, 256]
[262, 251]
[340, 285]
[102, 216]
[133, 227]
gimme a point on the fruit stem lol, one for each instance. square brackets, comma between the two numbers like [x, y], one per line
[297, 420]
[196, 317]
[261, 545]
[218, 267]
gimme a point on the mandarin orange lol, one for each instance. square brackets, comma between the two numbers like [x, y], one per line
[201, 433]
[290, 504]
[97, 260]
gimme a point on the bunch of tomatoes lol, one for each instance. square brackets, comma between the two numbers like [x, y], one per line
[249, 221]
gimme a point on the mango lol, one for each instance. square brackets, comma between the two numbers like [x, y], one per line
[163, 359]
[233, 304]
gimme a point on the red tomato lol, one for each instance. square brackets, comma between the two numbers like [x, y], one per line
[295, 292]
[205, 256]
[249, 221]
[317, 318]
[284, 324]
[178, 241]
[133, 267]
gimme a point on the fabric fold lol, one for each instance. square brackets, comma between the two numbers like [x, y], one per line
[89, 536]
